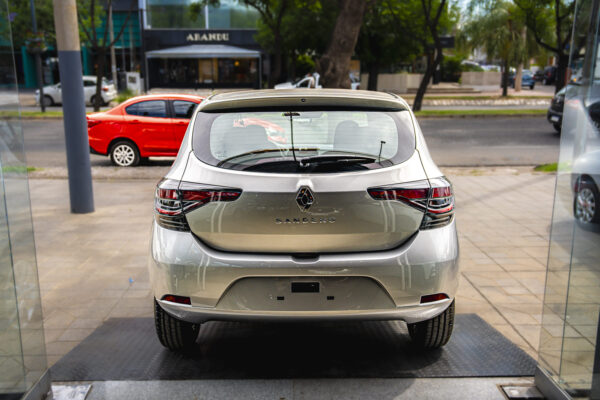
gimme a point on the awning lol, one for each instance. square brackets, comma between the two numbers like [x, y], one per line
[204, 51]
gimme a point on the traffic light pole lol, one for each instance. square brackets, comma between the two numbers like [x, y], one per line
[73, 103]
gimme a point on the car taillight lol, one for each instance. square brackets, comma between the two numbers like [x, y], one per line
[105, 88]
[174, 199]
[433, 197]
[92, 122]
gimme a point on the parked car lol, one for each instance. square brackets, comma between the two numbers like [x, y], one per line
[549, 75]
[555, 111]
[141, 127]
[350, 221]
[53, 93]
[527, 80]
[309, 81]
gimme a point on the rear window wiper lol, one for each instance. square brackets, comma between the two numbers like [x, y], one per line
[306, 161]
[248, 153]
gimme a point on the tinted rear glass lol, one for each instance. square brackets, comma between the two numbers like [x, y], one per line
[184, 109]
[304, 141]
[153, 108]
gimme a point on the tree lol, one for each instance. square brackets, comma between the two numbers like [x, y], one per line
[334, 65]
[272, 13]
[498, 29]
[21, 24]
[379, 35]
[551, 22]
[92, 15]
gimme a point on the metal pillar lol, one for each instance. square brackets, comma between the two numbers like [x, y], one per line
[76, 137]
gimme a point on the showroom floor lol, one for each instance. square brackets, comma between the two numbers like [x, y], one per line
[93, 267]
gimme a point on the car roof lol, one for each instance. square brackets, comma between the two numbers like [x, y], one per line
[301, 98]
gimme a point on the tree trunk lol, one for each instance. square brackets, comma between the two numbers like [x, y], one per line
[100, 59]
[432, 64]
[373, 70]
[561, 71]
[334, 65]
[276, 71]
[505, 79]
[519, 77]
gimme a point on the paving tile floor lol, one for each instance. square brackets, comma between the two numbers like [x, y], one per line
[94, 266]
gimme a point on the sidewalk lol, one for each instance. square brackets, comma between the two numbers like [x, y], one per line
[93, 267]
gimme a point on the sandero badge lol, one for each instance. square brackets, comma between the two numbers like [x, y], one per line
[305, 198]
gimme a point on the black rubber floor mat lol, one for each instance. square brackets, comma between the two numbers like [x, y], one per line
[128, 349]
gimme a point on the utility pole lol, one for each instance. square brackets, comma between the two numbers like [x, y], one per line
[38, 58]
[75, 124]
[111, 37]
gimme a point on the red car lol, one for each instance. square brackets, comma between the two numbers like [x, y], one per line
[141, 127]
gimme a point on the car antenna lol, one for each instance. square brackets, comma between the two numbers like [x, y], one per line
[381, 143]
[292, 114]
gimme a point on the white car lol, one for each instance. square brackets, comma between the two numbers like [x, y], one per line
[312, 82]
[53, 93]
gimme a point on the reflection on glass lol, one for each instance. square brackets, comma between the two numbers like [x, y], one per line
[22, 349]
[229, 14]
[572, 298]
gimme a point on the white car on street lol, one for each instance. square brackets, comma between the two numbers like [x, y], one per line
[53, 93]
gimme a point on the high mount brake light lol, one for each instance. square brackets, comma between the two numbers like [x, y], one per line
[433, 197]
[174, 199]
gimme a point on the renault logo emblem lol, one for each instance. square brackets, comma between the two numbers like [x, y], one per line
[304, 198]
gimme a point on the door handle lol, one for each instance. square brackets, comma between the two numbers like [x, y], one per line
[134, 121]
[182, 123]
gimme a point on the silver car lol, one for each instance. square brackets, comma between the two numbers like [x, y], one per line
[304, 205]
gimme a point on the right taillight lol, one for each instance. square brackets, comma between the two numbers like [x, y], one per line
[92, 122]
[434, 197]
[174, 199]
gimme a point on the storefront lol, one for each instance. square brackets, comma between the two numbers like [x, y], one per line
[208, 47]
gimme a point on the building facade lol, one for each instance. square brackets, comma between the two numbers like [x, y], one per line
[192, 47]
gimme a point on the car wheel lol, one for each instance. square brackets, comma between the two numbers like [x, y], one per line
[585, 203]
[173, 333]
[93, 100]
[557, 127]
[48, 101]
[433, 333]
[124, 154]
[545, 81]
[532, 87]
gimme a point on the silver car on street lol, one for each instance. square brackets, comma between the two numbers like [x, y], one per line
[294, 205]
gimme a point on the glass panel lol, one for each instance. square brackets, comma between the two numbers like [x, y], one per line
[184, 109]
[175, 13]
[155, 108]
[22, 348]
[572, 298]
[232, 15]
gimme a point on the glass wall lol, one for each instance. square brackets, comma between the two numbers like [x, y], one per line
[22, 348]
[572, 296]
[181, 14]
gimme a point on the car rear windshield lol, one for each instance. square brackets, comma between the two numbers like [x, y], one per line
[304, 141]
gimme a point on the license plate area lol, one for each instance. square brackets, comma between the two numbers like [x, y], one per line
[554, 118]
[305, 287]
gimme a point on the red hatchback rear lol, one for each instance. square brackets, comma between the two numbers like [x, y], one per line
[141, 127]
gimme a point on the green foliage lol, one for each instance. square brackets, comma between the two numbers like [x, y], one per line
[124, 95]
[451, 68]
[553, 167]
[470, 68]
[304, 64]
[21, 24]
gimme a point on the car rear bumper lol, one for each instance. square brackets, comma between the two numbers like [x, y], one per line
[379, 285]
[554, 117]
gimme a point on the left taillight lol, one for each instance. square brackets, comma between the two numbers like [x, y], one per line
[174, 199]
[92, 122]
[434, 197]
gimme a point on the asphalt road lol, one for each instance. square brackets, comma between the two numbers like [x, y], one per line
[451, 141]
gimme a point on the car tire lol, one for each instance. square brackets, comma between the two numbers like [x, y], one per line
[173, 333]
[557, 127]
[586, 202]
[124, 154]
[435, 332]
[545, 82]
[532, 87]
[48, 101]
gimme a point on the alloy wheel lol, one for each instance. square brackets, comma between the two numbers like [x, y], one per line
[585, 205]
[123, 155]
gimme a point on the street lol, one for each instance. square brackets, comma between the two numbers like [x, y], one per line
[451, 141]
